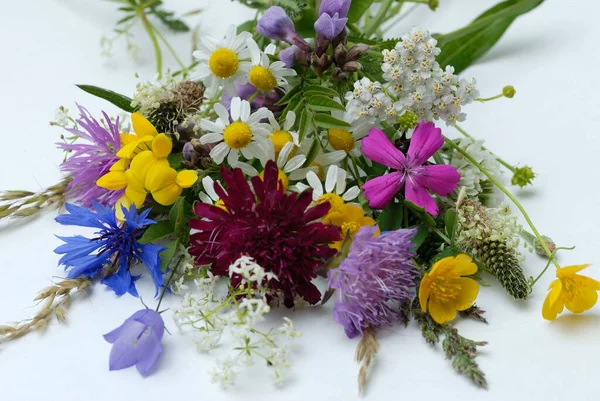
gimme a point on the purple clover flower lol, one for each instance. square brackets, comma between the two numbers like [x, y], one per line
[332, 7]
[377, 273]
[275, 24]
[330, 26]
[137, 342]
[91, 160]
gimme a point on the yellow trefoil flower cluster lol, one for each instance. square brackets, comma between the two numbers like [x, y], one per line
[143, 167]
[578, 293]
[444, 290]
[349, 218]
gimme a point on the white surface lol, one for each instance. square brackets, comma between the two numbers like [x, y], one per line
[552, 124]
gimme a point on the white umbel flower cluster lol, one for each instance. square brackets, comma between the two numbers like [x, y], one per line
[472, 179]
[369, 100]
[419, 83]
[149, 95]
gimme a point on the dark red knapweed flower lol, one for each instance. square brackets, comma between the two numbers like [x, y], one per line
[278, 230]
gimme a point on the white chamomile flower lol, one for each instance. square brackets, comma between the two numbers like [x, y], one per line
[283, 135]
[264, 75]
[223, 61]
[210, 195]
[245, 133]
[334, 190]
[348, 140]
[319, 163]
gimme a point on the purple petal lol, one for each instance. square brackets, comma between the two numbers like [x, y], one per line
[377, 147]
[425, 141]
[125, 351]
[114, 335]
[418, 195]
[152, 319]
[329, 27]
[332, 7]
[145, 365]
[275, 24]
[349, 319]
[440, 178]
[381, 190]
[290, 56]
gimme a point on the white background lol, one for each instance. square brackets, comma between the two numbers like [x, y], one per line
[550, 56]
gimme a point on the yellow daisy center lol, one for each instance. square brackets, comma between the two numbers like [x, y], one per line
[341, 139]
[444, 289]
[262, 78]
[350, 228]
[223, 63]
[334, 200]
[320, 171]
[237, 135]
[281, 176]
[279, 139]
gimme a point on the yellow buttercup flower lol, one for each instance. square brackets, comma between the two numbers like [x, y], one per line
[166, 184]
[444, 290]
[350, 219]
[577, 293]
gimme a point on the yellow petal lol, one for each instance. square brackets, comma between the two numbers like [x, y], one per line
[424, 290]
[120, 165]
[186, 178]
[142, 126]
[123, 202]
[585, 298]
[168, 195]
[136, 197]
[441, 313]
[113, 180]
[352, 213]
[126, 139]
[463, 265]
[552, 305]
[468, 293]
[569, 271]
[160, 177]
[336, 218]
[141, 164]
[336, 245]
[162, 146]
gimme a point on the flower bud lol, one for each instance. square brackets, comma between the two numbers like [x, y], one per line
[549, 243]
[352, 66]
[408, 120]
[339, 54]
[522, 176]
[433, 4]
[275, 24]
[290, 56]
[356, 52]
[509, 91]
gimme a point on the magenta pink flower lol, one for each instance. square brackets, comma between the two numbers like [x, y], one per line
[410, 171]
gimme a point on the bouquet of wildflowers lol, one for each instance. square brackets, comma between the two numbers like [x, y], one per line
[303, 159]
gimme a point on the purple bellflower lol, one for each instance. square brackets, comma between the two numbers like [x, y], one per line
[137, 342]
[411, 170]
[277, 25]
[374, 280]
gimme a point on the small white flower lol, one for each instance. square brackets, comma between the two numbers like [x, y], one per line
[264, 75]
[224, 373]
[209, 195]
[334, 190]
[244, 134]
[223, 62]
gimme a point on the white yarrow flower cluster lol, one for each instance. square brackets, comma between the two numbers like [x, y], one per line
[419, 83]
[369, 100]
[471, 178]
[149, 95]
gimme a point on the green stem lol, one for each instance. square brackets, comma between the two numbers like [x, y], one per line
[499, 160]
[487, 99]
[547, 265]
[168, 282]
[379, 17]
[150, 29]
[253, 96]
[184, 68]
[509, 195]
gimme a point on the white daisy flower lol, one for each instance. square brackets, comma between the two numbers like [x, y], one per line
[245, 133]
[348, 140]
[334, 190]
[223, 62]
[264, 75]
[209, 195]
[319, 163]
[282, 135]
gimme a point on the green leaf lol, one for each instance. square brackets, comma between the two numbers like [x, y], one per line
[247, 26]
[295, 103]
[326, 121]
[126, 18]
[157, 231]
[313, 151]
[420, 236]
[420, 213]
[121, 101]
[358, 8]
[304, 125]
[288, 96]
[450, 221]
[320, 90]
[463, 47]
[175, 160]
[169, 20]
[322, 103]
[450, 251]
[178, 218]
[166, 256]
[391, 217]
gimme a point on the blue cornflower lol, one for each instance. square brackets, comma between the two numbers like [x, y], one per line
[113, 250]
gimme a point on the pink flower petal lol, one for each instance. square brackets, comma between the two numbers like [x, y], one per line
[381, 190]
[425, 141]
[418, 195]
[439, 178]
[377, 147]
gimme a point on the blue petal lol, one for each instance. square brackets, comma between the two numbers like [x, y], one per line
[149, 255]
[121, 282]
[79, 216]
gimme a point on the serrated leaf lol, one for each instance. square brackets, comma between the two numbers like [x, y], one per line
[169, 20]
[313, 151]
[358, 8]
[322, 103]
[391, 217]
[157, 231]
[167, 255]
[320, 90]
[326, 121]
[463, 47]
[121, 101]
[304, 125]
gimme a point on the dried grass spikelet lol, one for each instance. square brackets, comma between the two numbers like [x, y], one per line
[365, 354]
[56, 300]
